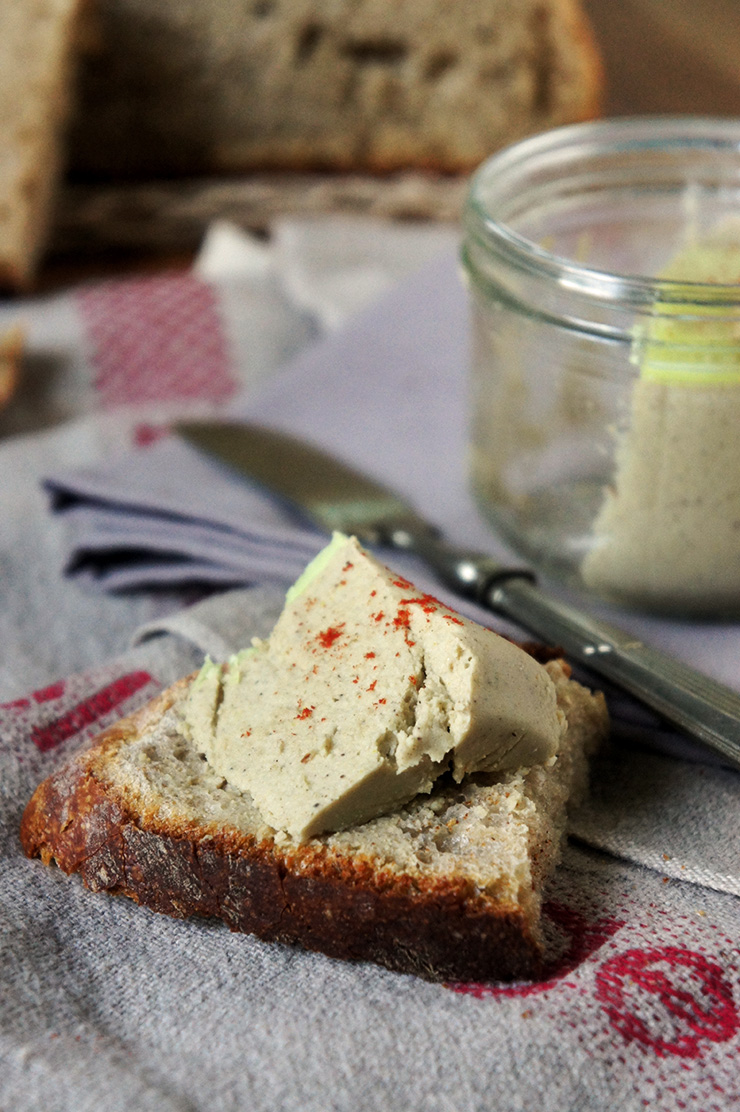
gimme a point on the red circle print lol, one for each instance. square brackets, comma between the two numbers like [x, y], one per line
[669, 999]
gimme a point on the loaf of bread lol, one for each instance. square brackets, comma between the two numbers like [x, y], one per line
[212, 86]
[37, 50]
[447, 887]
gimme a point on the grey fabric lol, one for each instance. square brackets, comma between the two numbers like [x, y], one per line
[105, 1005]
[167, 514]
[679, 819]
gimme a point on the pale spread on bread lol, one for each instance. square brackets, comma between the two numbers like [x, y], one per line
[366, 691]
[667, 534]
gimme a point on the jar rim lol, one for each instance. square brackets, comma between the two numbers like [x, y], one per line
[504, 175]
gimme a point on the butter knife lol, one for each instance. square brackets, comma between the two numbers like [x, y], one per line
[335, 496]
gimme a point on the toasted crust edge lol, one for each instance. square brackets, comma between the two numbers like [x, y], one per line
[311, 895]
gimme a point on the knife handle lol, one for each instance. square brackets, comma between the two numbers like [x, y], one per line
[698, 705]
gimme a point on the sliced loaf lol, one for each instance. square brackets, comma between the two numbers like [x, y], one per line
[204, 86]
[38, 41]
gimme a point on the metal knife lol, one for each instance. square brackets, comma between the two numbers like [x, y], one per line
[335, 496]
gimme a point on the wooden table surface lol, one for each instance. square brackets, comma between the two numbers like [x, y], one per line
[669, 56]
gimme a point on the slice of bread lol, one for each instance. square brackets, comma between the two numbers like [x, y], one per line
[38, 41]
[448, 887]
[210, 86]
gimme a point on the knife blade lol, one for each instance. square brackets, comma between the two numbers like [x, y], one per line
[335, 496]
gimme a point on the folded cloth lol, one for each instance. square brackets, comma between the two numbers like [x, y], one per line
[167, 515]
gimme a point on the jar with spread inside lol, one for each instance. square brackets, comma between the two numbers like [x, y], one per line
[603, 263]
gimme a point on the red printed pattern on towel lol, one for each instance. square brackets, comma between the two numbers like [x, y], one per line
[146, 434]
[89, 711]
[669, 999]
[584, 940]
[156, 339]
[47, 735]
[44, 695]
[668, 1002]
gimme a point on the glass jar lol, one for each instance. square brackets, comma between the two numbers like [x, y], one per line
[603, 263]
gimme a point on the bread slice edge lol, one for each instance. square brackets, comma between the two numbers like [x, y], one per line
[336, 894]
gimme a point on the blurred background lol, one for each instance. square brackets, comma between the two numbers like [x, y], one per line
[672, 56]
[146, 201]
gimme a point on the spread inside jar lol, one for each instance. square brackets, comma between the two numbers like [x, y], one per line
[667, 534]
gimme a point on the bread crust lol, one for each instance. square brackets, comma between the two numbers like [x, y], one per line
[319, 896]
[311, 895]
[39, 65]
[327, 87]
